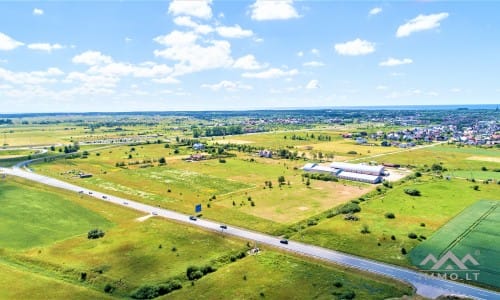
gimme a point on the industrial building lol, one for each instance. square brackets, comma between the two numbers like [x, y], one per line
[347, 171]
[359, 168]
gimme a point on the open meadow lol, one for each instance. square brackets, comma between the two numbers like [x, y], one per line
[138, 254]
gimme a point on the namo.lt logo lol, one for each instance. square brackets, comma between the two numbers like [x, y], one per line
[449, 266]
[449, 262]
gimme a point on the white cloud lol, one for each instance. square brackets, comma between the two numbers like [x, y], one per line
[258, 40]
[45, 47]
[8, 43]
[92, 81]
[315, 51]
[248, 62]
[313, 64]
[127, 39]
[186, 21]
[167, 80]
[263, 10]
[420, 23]
[271, 73]
[313, 84]
[300, 53]
[144, 70]
[31, 78]
[233, 31]
[381, 87]
[355, 47]
[455, 90]
[92, 58]
[375, 11]
[227, 85]
[391, 62]
[196, 8]
[37, 11]
[192, 57]
[3, 61]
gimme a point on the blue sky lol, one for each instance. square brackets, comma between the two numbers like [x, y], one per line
[209, 55]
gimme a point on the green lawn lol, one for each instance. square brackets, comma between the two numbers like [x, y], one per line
[21, 284]
[33, 217]
[440, 201]
[474, 231]
[271, 275]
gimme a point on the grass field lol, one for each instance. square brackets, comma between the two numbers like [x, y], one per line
[134, 253]
[271, 275]
[474, 231]
[32, 217]
[440, 201]
[22, 284]
[180, 185]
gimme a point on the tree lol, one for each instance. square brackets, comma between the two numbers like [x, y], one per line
[95, 234]
[162, 160]
[281, 180]
[308, 182]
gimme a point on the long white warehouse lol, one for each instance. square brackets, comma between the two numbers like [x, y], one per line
[358, 168]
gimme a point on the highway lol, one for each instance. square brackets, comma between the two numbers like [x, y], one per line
[427, 286]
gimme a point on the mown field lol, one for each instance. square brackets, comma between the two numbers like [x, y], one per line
[236, 184]
[475, 232]
[440, 201]
[136, 252]
[37, 216]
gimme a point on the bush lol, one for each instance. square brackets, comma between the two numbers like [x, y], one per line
[412, 192]
[338, 284]
[312, 222]
[108, 288]
[95, 234]
[412, 235]
[349, 208]
[347, 295]
[393, 237]
[365, 229]
[418, 174]
[352, 152]
[351, 217]
[162, 160]
[423, 237]
[153, 291]
[422, 224]
[390, 215]
[403, 251]
[475, 188]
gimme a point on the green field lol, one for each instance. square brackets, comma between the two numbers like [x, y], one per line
[137, 252]
[474, 231]
[440, 201]
[179, 185]
[33, 217]
[271, 275]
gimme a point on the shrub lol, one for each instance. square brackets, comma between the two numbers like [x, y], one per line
[412, 192]
[312, 222]
[330, 214]
[108, 288]
[222, 160]
[390, 215]
[95, 234]
[347, 295]
[365, 229]
[423, 237]
[393, 237]
[351, 217]
[475, 188]
[412, 235]
[422, 224]
[352, 152]
[403, 251]
[153, 291]
[162, 160]
[338, 284]
[349, 208]
[418, 174]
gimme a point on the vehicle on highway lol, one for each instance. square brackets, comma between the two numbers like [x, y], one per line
[125, 202]
[104, 197]
[223, 226]
[192, 218]
[90, 193]
[80, 192]
[284, 242]
[154, 213]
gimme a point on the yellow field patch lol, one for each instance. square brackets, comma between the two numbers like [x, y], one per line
[484, 158]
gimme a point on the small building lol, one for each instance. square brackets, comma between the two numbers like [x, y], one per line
[315, 168]
[198, 146]
[82, 175]
[266, 153]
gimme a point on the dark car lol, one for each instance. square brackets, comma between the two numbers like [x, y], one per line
[154, 213]
[192, 218]
[104, 197]
[223, 226]
[284, 242]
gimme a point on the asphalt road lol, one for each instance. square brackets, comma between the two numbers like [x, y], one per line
[426, 286]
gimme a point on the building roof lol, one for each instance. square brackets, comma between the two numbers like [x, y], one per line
[346, 175]
[357, 167]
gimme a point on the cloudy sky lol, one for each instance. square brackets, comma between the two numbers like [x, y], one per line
[210, 55]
